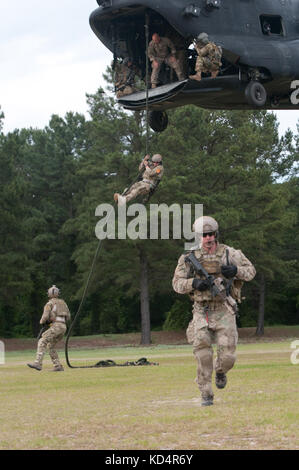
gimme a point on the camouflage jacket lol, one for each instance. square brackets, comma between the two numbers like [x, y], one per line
[153, 174]
[211, 52]
[184, 273]
[55, 308]
[159, 51]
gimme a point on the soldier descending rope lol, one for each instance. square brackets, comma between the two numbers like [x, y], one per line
[151, 177]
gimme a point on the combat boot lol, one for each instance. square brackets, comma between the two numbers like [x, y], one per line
[207, 400]
[220, 380]
[197, 77]
[58, 369]
[34, 365]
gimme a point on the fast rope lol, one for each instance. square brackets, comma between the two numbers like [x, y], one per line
[141, 361]
[146, 81]
[109, 362]
[82, 301]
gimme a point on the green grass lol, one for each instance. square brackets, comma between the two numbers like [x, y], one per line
[150, 407]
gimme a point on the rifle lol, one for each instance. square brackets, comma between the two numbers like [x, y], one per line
[42, 330]
[129, 81]
[214, 284]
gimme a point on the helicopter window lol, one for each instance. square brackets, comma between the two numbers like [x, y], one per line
[271, 25]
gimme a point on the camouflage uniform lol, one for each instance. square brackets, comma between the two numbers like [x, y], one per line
[213, 318]
[181, 46]
[56, 312]
[150, 178]
[209, 58]
[124, 80]
[164, 51]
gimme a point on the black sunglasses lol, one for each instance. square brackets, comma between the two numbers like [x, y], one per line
[208, 233]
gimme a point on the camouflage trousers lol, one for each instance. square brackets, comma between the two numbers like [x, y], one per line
[171, 62]
[215, 323]
[205, 65]
[48, 342]
[137, 189]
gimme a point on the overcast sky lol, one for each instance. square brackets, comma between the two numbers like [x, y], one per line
[50, 58]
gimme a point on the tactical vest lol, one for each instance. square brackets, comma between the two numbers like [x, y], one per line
[59, 309]
[214, 56]
[212, 264]
[153, 178]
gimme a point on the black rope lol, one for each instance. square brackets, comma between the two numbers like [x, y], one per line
[109, 362]
[146, 81]
[141, 362]
[82, 301]
[86, 290]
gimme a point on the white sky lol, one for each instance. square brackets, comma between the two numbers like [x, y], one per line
[50, 58]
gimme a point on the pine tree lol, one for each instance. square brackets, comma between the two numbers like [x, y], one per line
[229, 162]
[15, 283]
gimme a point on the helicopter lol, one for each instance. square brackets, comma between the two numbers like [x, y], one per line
[259, 41]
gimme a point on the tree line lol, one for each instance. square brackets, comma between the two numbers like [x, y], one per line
[52, 180]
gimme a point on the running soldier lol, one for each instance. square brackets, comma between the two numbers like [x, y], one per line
[214, 316]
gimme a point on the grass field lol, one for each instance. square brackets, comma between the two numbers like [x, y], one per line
[150, 407]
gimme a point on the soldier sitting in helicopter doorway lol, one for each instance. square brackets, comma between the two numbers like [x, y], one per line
[209, 57]
[124, 80]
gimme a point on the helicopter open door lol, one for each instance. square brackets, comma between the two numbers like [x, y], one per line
[259, 44]
[128, 31]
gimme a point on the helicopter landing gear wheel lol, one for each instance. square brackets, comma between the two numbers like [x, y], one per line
[255, 94]
[158, 120]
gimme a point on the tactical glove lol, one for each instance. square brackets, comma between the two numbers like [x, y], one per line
[229, 270]
[200, 284]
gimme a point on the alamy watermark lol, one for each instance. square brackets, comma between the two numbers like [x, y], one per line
[159, 222]
[294, 98]
[295, 353]
[2, 353]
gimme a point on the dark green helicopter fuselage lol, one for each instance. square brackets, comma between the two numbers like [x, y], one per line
[259, 39]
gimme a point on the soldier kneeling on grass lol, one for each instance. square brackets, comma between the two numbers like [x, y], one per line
[56, 314]
[214, 316]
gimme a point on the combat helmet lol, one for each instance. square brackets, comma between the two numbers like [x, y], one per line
[202, 38]
[205, 224]
[157, 158]
[53, 291]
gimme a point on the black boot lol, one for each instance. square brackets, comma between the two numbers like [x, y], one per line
[207, 400]
[220, 380]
